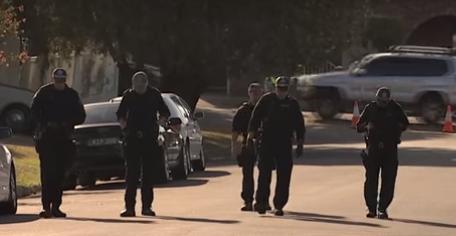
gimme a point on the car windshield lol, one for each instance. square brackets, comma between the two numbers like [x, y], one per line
[101, 113]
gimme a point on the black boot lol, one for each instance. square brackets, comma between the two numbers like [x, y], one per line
[56, 212]
[247, 207]
[371, 214]
[148, 212]
[278, 212]
[128, 213]
[382, 214]
[46, 214]
[260, 208]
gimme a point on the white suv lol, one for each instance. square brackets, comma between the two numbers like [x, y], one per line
[422, 79]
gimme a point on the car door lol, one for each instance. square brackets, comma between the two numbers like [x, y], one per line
[194, 131]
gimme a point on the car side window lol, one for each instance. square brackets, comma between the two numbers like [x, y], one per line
[407, 66]
[180, 106]
[186, 106]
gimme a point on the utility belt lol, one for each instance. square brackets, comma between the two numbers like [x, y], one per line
[139, 134]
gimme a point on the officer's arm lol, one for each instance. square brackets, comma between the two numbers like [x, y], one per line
[236, 125]
[299, 123]
[80, 113]
[257, 115]
[361, 126]
[403, 120]
[37, 108]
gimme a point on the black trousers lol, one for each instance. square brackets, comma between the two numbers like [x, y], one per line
[141, 156]
[56, 154]
[248, 182]
[278, 156]
[382, 161]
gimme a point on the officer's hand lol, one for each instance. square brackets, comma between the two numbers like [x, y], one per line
[299, 150]
[234, 149]
[250, 136]
[370, 126]
[123, 123]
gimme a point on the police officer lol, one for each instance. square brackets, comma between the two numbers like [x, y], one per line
[56, 109]
[247, 157]
[384, 121]
[280, 117]
[137, 115]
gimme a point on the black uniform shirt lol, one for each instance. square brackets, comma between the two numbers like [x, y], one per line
[140, 110]
[388, 122]
[241, 119]
[278, 117]
[64, 107]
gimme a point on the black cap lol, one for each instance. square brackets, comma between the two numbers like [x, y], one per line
[383, 93]
[283, 81]
[59, 73]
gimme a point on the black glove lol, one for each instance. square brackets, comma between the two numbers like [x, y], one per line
[299, 150]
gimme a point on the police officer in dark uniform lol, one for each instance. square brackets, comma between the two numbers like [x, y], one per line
[247, 156]
[384, 121]
[137, 115]
[56, 109]
[280, 117]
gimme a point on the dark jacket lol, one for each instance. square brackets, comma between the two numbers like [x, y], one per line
[57, 108]
[241, 119]
[388, 123]
[279, 118]
[140, 110]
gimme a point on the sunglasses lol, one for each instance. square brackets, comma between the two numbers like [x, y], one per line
[282, 88]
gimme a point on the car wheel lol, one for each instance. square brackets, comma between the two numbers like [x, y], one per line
[327, 108]
[432, 109]
[200, 164]
[70, 182]
[163, 175]
[87, 180]
[10, 207]
[181, 170]
[17, 118]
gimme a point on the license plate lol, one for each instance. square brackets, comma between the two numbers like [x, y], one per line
[102, 141]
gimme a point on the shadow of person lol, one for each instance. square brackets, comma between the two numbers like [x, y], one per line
[329, 219]
[113, 221]
[183, 183]
[19, 218]
[427, 223]
[210, 174]
[200, 220]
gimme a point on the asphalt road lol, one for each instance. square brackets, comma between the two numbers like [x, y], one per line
[326, 195]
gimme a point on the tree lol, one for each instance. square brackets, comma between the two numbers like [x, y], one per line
[195, 41]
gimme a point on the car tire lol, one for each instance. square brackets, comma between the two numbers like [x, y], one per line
[163, 175]
[181, 170]
[200, 164]
[86, 180]
[10, 206]
[70, 182]
[17, 118]
[327, 108]
[432, 109]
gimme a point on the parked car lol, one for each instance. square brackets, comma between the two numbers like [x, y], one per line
[8, 194]
[422, 80]
[15, 107]
[190, 131]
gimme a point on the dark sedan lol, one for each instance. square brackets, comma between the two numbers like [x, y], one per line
[100, 148]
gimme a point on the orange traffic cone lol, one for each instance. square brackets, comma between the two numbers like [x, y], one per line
[355, 117]
[448, 124]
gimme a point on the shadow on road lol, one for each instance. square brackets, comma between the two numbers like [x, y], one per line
[114, 221]
[427, 223]
[199, 220]
[311, 217]
[210, 174]
[19, 218]
[327, 156]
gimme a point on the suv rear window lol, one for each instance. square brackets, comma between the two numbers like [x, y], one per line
[406, 66]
